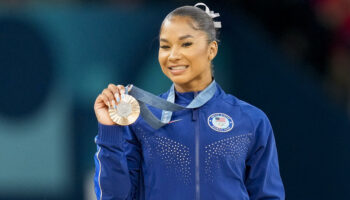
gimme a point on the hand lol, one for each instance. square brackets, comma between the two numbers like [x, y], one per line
[109, 97]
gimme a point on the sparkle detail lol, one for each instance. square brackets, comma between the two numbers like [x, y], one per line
[232, 148]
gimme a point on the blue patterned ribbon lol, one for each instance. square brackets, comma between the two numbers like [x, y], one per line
[167, 106]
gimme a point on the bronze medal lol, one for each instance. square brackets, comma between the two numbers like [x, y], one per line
[127, 111]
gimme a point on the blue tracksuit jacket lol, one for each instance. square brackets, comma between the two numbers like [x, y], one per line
[224, 150]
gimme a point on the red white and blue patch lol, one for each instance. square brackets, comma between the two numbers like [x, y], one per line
[220, 122]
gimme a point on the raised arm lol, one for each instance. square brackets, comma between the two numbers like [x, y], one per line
[118, 156]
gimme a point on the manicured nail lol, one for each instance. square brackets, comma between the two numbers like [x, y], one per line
[114, 106]
[116, 95]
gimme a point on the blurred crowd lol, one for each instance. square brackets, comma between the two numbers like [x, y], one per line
[335, 16]
[314, 34]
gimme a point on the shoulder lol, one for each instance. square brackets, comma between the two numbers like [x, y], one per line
[254, 117]
[253, 113]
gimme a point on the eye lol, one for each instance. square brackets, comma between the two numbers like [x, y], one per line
[164, 47]
[187, 44]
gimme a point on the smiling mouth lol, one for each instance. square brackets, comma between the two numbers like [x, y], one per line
[177, 70]
[182, 67]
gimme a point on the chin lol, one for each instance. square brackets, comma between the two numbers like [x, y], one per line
[179, 80]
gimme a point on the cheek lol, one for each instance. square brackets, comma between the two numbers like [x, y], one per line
[198, 57]
[161, 58]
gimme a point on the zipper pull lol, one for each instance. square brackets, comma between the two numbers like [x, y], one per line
[194, 114]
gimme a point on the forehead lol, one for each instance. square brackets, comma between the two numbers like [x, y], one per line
[178, 26]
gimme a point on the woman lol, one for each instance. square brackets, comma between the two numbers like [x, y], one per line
[224, 149]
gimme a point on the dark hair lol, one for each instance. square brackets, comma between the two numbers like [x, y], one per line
[203, 21]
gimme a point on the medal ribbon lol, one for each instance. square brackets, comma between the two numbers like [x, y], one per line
[167, 106]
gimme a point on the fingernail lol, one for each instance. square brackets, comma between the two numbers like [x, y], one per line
[114, 106]
[116, 95]
[109, 105]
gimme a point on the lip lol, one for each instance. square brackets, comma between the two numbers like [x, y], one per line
[177, 71]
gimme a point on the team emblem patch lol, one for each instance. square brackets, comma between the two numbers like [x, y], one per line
[220, 122]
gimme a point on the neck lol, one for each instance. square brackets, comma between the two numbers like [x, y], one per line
[193, 86]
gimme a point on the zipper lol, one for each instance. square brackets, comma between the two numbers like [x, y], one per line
[195, 115]
[197, 161]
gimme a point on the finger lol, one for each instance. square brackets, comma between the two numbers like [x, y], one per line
[117, 96]
[114, 105]
[121, 90]
[108, 93]
[105, 100]
[113, 88]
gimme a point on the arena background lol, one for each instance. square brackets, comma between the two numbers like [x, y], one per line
[291, 58]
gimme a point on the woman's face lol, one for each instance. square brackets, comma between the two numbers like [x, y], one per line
[184, 53]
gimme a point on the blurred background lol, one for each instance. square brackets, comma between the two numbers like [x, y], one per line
[291, 58]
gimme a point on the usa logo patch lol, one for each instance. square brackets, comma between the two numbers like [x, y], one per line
[220, 122]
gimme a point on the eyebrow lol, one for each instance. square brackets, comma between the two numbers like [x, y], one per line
[180, 38]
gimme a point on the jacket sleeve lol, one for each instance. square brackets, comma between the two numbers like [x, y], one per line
[117, 163]
[263, 180]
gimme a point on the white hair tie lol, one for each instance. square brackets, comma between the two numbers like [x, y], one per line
[211, 14]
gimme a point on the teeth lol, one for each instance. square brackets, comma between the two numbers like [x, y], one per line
[178, 67]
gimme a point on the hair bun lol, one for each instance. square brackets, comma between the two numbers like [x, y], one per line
[211, 14]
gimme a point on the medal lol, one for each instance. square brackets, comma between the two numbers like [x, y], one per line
[127, 111]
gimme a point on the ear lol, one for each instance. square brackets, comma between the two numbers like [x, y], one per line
[213, 50]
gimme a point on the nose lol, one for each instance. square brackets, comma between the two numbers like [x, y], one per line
[174, 54]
